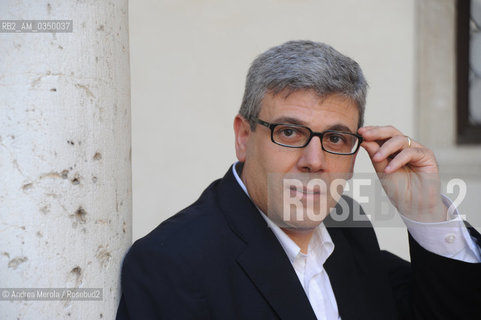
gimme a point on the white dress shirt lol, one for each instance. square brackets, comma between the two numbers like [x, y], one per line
[450, 239]
[310, 268]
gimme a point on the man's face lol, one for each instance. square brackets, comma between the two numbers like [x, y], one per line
[270, 169]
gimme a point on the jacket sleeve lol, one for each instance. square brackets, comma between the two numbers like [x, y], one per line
[156, 284]
[435, 287]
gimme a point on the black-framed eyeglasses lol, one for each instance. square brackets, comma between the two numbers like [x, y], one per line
[298, 136]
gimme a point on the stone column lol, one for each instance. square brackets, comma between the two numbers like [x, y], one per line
[65, 157]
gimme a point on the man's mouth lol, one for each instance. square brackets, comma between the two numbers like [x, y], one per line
[305, 191]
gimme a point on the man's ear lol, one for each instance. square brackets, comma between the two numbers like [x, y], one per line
[242, 132]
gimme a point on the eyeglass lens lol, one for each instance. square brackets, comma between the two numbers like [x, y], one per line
[296, 136]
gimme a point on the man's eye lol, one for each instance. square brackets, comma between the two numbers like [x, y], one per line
[336, 138]
[288, 132]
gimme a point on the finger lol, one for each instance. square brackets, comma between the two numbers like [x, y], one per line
[372, 147]
[391, 147]
[417, 157]
[378, 132]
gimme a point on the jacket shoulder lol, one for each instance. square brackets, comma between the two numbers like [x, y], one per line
[192, 229]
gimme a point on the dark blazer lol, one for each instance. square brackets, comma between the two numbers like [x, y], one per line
[217, 259]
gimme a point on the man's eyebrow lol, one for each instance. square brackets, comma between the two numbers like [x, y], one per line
[340, 127]
[289, 120]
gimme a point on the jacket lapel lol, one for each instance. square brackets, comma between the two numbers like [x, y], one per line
[344, 277]
[264, 259]
[272, 273]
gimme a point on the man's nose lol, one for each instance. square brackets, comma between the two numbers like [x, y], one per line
[313, 157]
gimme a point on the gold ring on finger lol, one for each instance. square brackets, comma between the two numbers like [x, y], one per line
[409, 142]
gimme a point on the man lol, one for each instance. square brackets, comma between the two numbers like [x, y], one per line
[258, 243]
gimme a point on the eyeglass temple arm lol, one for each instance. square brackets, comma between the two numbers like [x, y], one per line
[264, 123]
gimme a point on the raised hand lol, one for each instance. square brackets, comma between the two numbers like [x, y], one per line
[408, 172]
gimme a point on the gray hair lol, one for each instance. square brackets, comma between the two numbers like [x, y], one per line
[297, 65]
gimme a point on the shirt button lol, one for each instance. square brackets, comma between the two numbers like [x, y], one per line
[450, 238]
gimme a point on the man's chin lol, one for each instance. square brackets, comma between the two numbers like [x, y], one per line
[294, 222]
[299, 229]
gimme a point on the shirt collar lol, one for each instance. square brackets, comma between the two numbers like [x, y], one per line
[320, 242]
